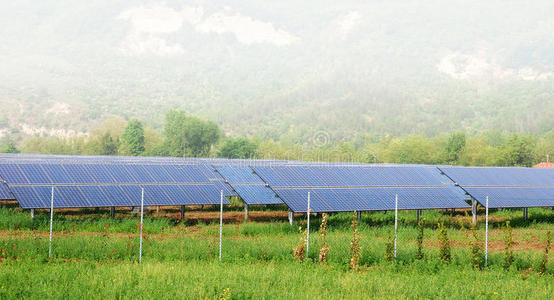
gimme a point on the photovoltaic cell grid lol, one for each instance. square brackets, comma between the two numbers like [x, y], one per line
[101, 185]
[506, 187]
[249, 186]
[5, 193]
[348, 188]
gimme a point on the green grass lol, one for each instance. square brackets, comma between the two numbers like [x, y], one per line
[96, 257]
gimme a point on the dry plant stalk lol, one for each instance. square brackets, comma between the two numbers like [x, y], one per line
[300, 251]
[544, 262]
[323, 237]
[355, 248]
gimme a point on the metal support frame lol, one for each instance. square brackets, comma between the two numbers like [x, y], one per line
[112, 212]
[395, 223]
[51, 222]
[245, 212]
[182, 211]
[141, 223]
[418, 213]
[474, 211]
[291, 217]
[308, 227]
[525, 213]
[486, 231]
[358, 216]
[32, 213]
[220, 223]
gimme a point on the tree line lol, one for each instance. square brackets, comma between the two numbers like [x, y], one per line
[184, 135]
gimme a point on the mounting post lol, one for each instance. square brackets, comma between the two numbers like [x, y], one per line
[418, 213]
[141, 223]
[308, 228]
[359, 216]
[51, 221]
[245, 212]
[220, 222]
[474, 211]
[112, 212]
[525, 213]
[182, 211]
[486, 231]
[395, 223]
[32, 213]
[290, 217]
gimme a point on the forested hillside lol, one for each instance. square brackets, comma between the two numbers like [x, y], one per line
[281, 70]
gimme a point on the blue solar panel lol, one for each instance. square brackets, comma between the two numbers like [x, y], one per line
[513, 196]
[12, 174]
[249, 186]
[99, 173]
[35, 174]
[79, 174]
[5, 193]
[159, 173]
[28, 197]
[123, 173]
[117, 197]
[366, 199]
[57, 174]
[479, 176]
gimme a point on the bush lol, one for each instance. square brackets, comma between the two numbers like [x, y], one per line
[299, 252]
[389, 248]
[508, 246]
[477, 259]
[323, 237]
[444, 253]
[544, 262]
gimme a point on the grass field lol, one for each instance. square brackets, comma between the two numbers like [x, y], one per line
[96, 257]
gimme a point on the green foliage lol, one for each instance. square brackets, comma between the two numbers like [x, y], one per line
[455, 146]
[9, 148]
[189, 136]
[324, 249]
[477, 254]
[544, 261]
[445, 254]
[389, 247]
[238, 148]
[518, 151]
[508, 246]
[132, 139]
[420, 226]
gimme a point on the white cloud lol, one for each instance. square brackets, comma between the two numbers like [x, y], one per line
[160, 19]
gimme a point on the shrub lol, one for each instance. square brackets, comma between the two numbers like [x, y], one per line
[444, 252]
[300, 251]
[389, 247]
[477, 259]
[508, 246]
[544, 262]
[355, 245]
[323, 237]
[420, 239]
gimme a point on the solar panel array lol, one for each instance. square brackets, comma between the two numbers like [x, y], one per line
[249, 186]
[5, 193]
[348, 188]
[102, 185]
[506, 187]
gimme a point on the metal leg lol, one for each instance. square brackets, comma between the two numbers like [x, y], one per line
[112, 212]
[474, 211]
[290, 217]
[182, 210]
[359, 216]
[245, 212]
[525, 213]
[418, 212]
[32, 213]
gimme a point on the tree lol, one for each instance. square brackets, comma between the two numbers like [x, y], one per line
[454, 146]
[518, 151]
[9, 148]
[238, 148]
[132, 139]
[186, 135]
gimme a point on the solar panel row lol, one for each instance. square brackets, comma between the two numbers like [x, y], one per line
[344, 176]
[367, 199]
[115, 195]
[513, 196]
[53, 174]
[480, 176]
[5, 193]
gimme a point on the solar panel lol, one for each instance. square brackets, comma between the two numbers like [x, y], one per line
[5, 193]
[348, 188]
[249, 186]
[505, 187]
